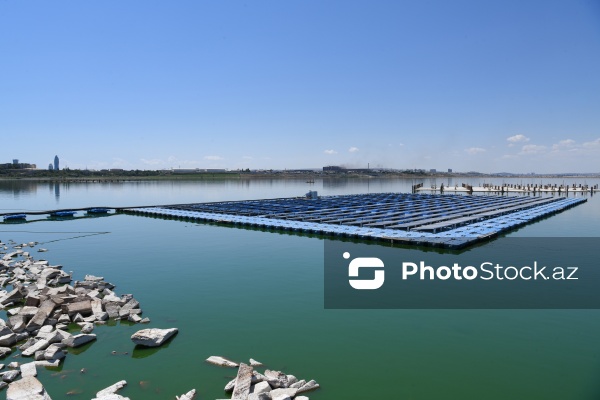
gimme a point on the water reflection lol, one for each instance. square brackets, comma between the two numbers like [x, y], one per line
[17, 188]
[22, 195]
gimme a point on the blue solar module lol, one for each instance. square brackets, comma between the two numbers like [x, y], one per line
[429, 219]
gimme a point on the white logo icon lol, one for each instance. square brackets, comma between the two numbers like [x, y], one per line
[365, 262]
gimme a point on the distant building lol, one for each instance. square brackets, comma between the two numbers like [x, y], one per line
[433, 170]
[50, 167]
[15, 161]
[17, 165]
[56, 166]
[334, 168]
[450, 170]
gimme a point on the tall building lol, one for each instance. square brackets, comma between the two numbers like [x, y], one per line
[50, 167]
[56, 163]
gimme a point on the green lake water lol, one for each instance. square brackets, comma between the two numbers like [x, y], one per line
[244, 293]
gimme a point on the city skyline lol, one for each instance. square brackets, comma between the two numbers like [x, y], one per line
[472, 86]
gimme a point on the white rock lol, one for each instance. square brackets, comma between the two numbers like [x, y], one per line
[281, 397]
[243, 381]
[87, 328]
[54, 352]
[259, 396]
[276, 393]
[112, 389]
[78, 340]
[28, 369]
[255, 363]
[39, 345]
[4, 351]
[153, 337]
[310, 385]
[28, 388]
[45, 363]
[222, 362]
[260, 387]
[113, 396]
[188, 396]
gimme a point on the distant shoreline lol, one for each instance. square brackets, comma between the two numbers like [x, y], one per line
[279, 175]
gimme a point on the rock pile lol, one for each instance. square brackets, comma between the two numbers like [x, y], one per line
[40, 304]
[272, 385]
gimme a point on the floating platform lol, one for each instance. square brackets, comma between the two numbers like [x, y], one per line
[15, 217]
[63, 214]
[452, 221]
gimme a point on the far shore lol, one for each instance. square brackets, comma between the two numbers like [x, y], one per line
[91, 177]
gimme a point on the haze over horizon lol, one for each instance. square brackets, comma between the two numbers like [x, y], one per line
[502, 86]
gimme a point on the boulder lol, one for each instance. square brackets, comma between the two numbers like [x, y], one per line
[221, 362]
[10, 375]
[28, 369]
[112, 389]
[8, 340]
[134, 318]
[17, 323]
[153, 337]
[260, 387]
[298, 384]
[259, 396]
[4, 351]
[277, 379]
[87, 328]
[282, 396]
[310, 385]
[54, 352]
[188, 396]
[243, 381]
[41, 344]
[39, 318]
[283, 393]
[255, 363]
[112, 309]
[80, 307]
[78, 340]
[16, 294]
[28, 388]
[46, 363]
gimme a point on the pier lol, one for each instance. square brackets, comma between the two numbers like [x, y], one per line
[451, 221]
[508, 188]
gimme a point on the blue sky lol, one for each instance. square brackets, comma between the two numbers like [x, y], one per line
[470, 85]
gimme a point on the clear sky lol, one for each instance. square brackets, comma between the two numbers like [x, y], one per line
[493, 86]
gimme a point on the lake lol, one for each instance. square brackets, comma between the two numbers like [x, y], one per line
[242, 293]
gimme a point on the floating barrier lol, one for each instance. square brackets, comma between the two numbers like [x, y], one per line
[452, 221]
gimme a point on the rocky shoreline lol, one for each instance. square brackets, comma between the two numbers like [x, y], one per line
[250, 384]
[42, 304]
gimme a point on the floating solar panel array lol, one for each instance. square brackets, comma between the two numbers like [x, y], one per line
[424, 219]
